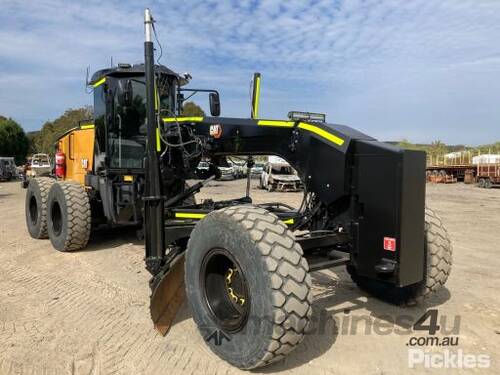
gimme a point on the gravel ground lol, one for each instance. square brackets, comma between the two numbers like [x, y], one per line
[88, 312]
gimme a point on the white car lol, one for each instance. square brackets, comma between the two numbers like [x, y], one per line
[226, 173]
[202, 170]
[39, 165]
[281, 177]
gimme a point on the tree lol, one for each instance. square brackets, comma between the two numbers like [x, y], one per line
[191, 109]
[44, 140]
[13, 140]
[407, 145]
[438, 148]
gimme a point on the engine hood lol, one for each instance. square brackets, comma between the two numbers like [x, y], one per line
[285, 177]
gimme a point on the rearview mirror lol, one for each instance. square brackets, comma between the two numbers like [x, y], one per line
[214, 104]
[125, 93]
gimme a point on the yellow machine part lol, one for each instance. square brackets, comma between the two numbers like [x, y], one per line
[78, 148]
[168, 296]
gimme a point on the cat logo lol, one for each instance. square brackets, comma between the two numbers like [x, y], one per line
[216, 131]
[85, 163]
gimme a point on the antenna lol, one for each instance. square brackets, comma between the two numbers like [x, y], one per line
[87, 83]
[111, 61]
[87, 76]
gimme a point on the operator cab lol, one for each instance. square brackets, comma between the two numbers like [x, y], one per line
[120, 113]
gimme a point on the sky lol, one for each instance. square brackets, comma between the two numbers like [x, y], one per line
[421, 70]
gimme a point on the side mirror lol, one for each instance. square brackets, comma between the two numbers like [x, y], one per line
[214, 104]
[125, 93]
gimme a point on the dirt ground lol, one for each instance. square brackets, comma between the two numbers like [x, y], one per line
[88, 312]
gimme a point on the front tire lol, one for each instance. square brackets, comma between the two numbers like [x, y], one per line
[265, 307]
[69, 217]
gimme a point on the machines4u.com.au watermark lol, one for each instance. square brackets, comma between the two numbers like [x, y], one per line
[433, 340]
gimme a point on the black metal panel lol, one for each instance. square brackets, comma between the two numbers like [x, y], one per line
[389, 186]
[411, 259]
[320, 163]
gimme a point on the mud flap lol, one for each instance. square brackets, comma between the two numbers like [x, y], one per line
[168, 296]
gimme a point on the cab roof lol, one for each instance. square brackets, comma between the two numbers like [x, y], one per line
[124, 70]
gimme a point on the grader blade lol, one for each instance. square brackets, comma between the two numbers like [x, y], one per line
[168, 296]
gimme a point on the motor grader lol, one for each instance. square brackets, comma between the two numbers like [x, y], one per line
[244, 267]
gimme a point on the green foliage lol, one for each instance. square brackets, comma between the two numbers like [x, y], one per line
[192, 109]
[13, 140]
[493, 148]
[45, 139]
[407, 145]
[437, 149]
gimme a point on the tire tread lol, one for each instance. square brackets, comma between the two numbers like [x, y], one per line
[290, 280]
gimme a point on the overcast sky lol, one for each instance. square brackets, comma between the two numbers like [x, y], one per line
[416, 69]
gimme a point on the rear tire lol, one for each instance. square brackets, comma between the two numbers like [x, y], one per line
[267, 315]
[481, 183]
[488, 184]
[69, 216]
[438, 263]
[36, 206]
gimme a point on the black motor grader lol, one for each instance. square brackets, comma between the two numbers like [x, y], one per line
[243, 266]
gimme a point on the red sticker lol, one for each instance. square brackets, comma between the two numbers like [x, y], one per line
[389, 244]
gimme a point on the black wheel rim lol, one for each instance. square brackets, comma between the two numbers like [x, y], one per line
[225, 289]
[56, 218]
[33, 209]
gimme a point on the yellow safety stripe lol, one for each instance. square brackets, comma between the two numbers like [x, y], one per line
[100, 82]
[157, 99]
[288, 221]
[257, 95]
[158, 140]
[322, 133]
[278, 123]
[87, 126]
[189, 215]
[182, 119]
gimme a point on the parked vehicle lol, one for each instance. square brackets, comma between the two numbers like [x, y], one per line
[279, 175]
[240, 169]
[38, 165]
[201, 171]
[226, 173]
[8, 169]
[257, 170]
[488, 175]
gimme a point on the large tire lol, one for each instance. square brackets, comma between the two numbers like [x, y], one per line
[437, 268]
[36, 206]
[69, 216]
[276, 285]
